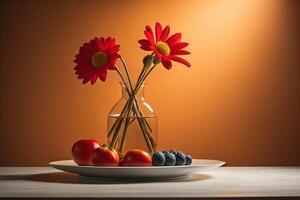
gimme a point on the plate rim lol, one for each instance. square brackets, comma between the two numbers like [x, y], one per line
[219, 164]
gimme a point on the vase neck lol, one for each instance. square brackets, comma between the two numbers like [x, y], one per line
[139, 94]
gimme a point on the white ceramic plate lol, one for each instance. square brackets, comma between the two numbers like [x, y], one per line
[153, 172]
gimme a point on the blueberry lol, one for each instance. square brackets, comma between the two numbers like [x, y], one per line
[173, 152]
[164, 152]
[188, 160]
[158, 159]
[170, 159]
[180, 158]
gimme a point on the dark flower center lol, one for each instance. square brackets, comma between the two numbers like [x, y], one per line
[99, 59]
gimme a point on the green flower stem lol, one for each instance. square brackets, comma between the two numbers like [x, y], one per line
[127, 103]
[127, 73]
[148, 142]
[115, 135]
[118, 119]
[132, 120]
[141, 123]
[138, 86]
[118, 124]
[146, 129]
[136, 111]
[129, 110]
[125, 130]
[147, 65]
[145, 76]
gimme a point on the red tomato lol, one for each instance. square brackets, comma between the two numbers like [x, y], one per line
[137, 157]
[105, 156]
[121, 162]
[82, 151]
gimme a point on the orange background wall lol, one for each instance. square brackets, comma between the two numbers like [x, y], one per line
[239, 102]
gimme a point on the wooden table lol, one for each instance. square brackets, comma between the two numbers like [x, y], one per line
[230, 182]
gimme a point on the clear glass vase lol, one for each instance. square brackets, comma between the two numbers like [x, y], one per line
[133, 129]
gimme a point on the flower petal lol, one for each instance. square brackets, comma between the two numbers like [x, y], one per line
[165, 33]
[174, 38]
[102, 75]
[144, 42]
[180, 52]
[179, 45]
[81, 75]
[87, 77]
[145, 48]
[180, 60]
[113, 56]
[112, 62]
[149, 29]
[166, 62]
[149, 36]
[82, 72]
[112, 43]
[111, 67]
[94, 77]
[101, 44]
[158, 31]
[114, 49]
[107, 42]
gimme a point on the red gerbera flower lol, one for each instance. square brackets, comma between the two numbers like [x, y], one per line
[95, 58]
[165, 48]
